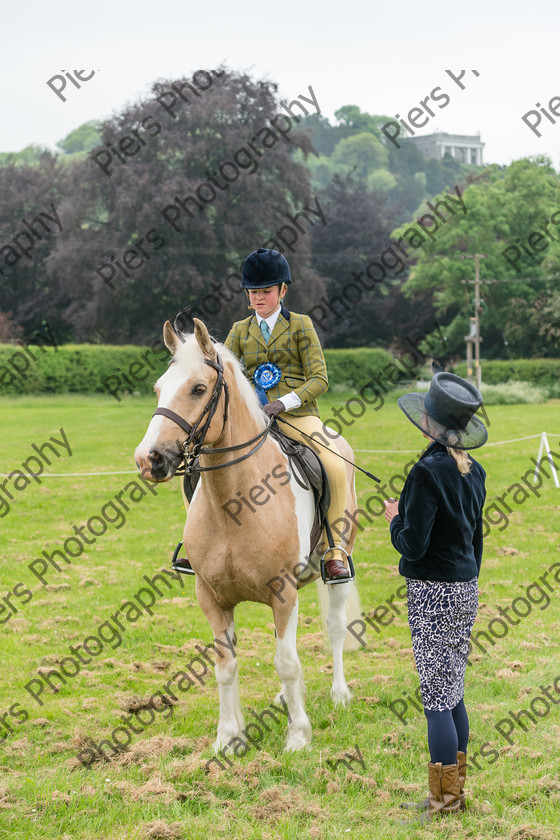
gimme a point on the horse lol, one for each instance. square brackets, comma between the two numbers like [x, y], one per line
[249, 523]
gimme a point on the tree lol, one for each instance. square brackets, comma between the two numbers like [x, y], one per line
[360, 154]
[110, 214]
[358, 231]
[26, 157]
[352, 117]
[82, 139]
[502, 210]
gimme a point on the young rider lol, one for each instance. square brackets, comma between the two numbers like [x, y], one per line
[289, 342]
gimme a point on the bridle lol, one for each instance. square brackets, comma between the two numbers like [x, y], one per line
[193, 445]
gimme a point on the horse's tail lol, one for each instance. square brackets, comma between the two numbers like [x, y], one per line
[353, 610]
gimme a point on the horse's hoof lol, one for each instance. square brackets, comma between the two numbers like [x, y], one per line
[299, 739]
[224, 740]
[298, 742]
[341, 696]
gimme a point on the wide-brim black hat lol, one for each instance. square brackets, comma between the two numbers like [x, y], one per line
[450, 405]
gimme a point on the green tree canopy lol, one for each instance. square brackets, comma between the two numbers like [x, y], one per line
[361, 154]
[503, 209]
[82, 139]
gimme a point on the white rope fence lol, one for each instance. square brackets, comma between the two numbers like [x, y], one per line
[495, 443]
[376, 451]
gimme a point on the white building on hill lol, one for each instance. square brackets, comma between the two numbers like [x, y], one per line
[464, 148]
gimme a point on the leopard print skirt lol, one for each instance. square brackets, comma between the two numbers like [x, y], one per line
[441, 616]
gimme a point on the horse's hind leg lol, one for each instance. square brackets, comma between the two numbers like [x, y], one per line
[336, 627]
[288, 668]
[230, 723]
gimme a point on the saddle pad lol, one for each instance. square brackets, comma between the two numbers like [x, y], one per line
[310, 465]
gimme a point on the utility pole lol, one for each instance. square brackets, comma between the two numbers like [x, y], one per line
[470, 341]
[477, 316]
[474, 336]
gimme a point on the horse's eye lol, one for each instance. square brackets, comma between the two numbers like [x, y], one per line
[198, 390]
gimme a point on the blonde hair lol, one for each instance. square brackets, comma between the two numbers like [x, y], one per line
[460, 456]
[462, 459]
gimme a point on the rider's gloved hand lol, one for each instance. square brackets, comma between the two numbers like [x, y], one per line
[274, 409]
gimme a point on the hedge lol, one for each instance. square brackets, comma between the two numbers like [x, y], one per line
[357, 366]
[91, 368]
[81, 368]
[543, 372]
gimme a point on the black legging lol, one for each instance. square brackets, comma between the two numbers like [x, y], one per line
[448, 732]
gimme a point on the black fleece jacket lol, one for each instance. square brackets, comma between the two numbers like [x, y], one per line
[438, 529]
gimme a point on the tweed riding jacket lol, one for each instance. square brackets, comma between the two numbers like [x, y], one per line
[294, 346]
[438, 529]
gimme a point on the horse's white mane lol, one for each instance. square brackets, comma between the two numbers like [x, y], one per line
[190, 358]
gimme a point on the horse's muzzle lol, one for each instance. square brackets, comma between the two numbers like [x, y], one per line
[158, 465]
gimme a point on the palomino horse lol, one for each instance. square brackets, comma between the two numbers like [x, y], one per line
[242, 545]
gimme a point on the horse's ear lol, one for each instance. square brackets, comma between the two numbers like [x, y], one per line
[169, 338]
[203, 338]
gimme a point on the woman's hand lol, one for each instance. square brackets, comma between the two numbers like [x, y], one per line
[391, 509]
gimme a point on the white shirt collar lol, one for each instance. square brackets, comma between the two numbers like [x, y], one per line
[271, 320]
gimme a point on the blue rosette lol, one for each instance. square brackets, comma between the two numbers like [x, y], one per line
[266, 376]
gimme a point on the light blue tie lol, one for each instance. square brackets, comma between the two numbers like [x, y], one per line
[265, 329]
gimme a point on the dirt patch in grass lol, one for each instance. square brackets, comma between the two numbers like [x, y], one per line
[161, 830]
[147, 750]
[283, 801]
[133, 703]
[527, 832]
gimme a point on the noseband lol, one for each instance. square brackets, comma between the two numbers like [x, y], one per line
[192, 446]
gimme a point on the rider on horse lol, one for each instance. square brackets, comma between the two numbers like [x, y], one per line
[288, 342]
[286, 347]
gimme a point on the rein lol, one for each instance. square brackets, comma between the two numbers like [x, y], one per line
[197, 433]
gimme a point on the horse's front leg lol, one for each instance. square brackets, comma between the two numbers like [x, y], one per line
[336, 628]
[230, 723]
[289, 670]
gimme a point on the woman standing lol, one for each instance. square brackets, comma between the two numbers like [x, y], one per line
[436, 526]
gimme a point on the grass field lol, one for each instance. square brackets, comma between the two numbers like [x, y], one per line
[160, 787]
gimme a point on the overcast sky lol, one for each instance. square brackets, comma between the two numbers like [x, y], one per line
[383, 56]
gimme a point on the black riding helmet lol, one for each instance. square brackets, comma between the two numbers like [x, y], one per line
[264, 268]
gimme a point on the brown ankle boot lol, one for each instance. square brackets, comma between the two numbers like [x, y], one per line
[443, 782]
[335, 569]
[462, 762]
[424, 803]
[335, 566]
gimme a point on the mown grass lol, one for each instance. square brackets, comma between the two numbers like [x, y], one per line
[160, 787]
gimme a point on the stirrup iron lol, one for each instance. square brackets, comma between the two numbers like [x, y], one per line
[352, 573]
[176, 564]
